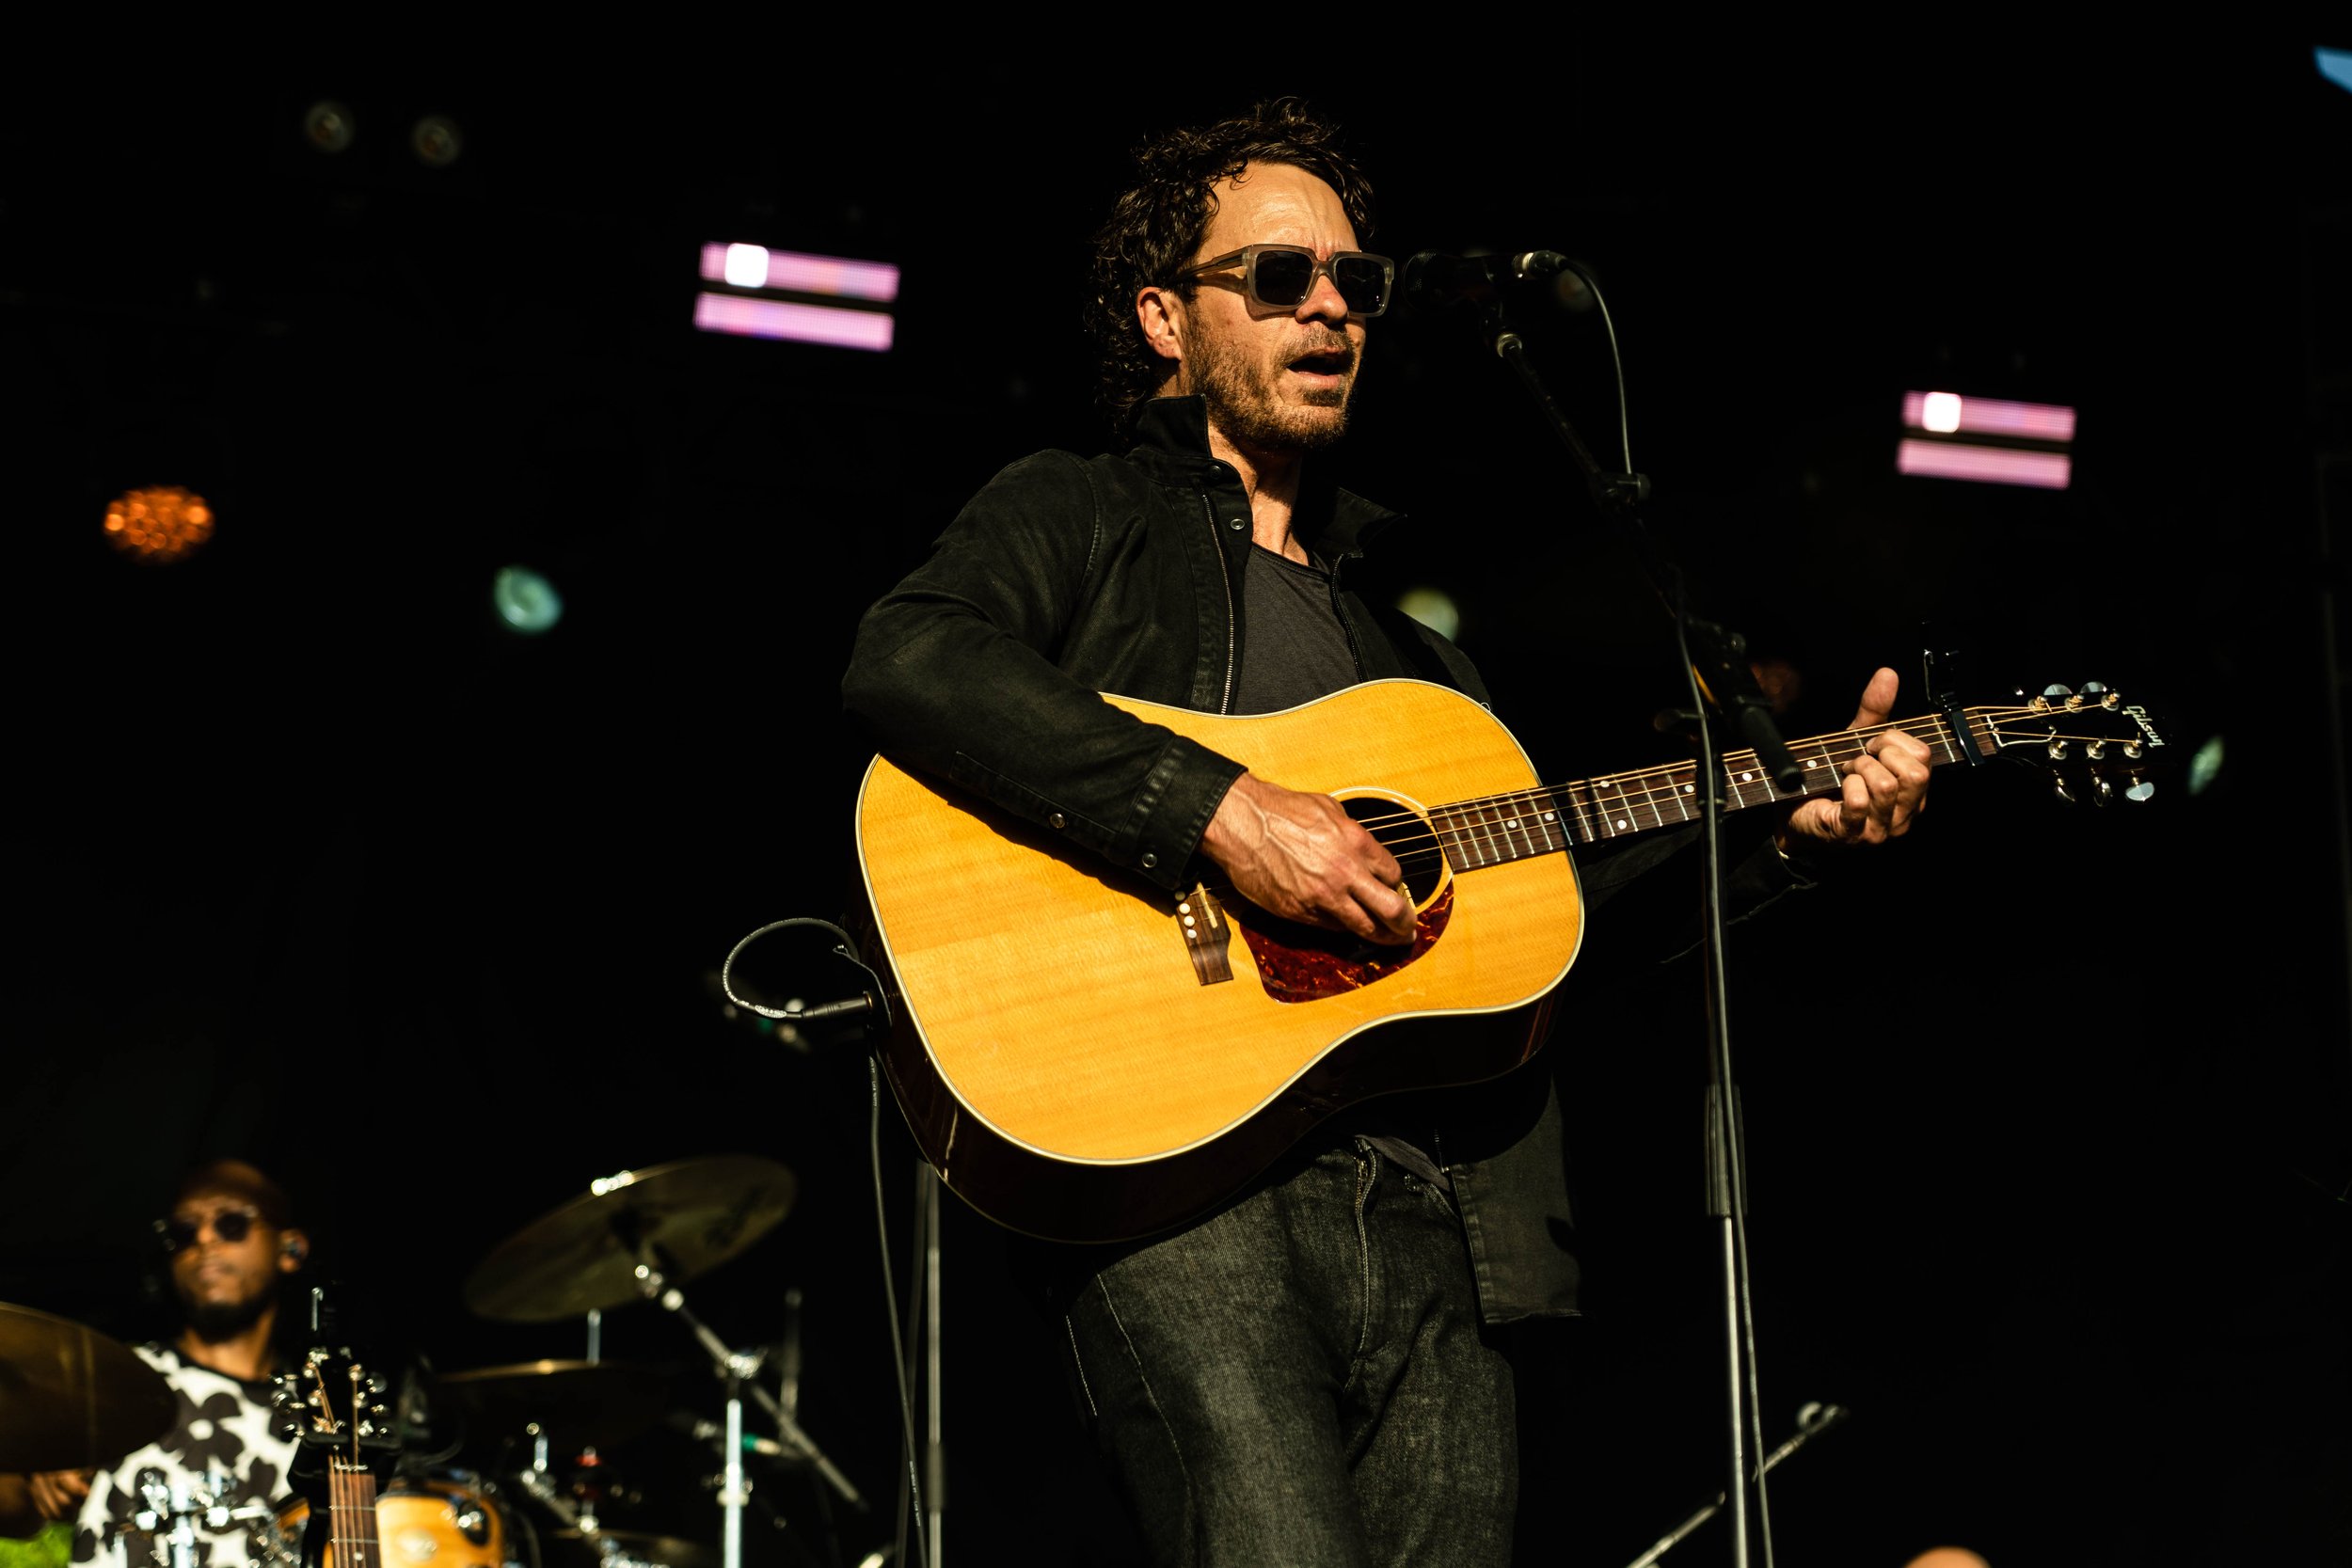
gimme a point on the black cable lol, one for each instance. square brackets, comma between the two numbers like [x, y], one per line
[897, 1341]
[1616, 364]
[1676, 590]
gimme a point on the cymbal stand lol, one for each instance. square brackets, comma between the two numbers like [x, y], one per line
[735, 1370]
[535, 1480]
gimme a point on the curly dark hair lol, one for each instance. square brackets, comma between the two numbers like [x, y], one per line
[1155, 226]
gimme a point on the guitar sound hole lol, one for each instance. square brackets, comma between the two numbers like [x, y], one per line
[1406, 835]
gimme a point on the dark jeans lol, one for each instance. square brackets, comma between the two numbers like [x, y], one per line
[1301, 1381]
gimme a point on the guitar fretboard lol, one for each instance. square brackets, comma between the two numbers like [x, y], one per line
[351, 1507]
[1500, 828]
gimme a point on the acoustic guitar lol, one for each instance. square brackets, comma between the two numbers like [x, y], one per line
[1083, 1058]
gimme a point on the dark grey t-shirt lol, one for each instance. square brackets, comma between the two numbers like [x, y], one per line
[1295, 650]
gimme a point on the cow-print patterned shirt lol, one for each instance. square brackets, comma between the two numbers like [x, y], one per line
[219, 1451]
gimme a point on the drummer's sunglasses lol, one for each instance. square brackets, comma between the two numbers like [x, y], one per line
[230, 1224]
[1283, 274]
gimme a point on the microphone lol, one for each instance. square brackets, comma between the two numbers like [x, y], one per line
[770, 971]
[1434, 281]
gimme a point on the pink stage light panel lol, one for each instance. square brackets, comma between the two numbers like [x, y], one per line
[2046, 471]
[2038, 421]
[792, 322]
[801, 273]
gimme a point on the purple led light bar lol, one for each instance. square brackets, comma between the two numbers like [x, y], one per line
[2046, 471]
[793, 321]
[813, 275]
[2040, 421]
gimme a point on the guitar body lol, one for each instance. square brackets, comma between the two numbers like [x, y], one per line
[1066, 1061]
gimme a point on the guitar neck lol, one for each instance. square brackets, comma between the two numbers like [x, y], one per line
[351, 1514]
[1500, 828]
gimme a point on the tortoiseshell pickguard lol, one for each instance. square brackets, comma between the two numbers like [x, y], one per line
[1306, 974]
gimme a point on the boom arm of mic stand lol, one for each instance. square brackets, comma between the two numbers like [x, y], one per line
[1719, 658]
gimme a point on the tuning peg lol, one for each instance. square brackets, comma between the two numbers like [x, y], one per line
[2057, 787]
[2140, 788]
[2101, 792]
[2057, 749]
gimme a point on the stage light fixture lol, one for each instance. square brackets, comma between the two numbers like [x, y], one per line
[2335, 65]
[2204, 768]
[1433, 607]
[746, 266]
[328, 126]
[525, 600]
[2018, 443]
[797, 297]
[160, 524]
[436, 141]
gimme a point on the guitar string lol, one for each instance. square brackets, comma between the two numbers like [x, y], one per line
[1670, 780]
[1670, 773]
[1673, 774]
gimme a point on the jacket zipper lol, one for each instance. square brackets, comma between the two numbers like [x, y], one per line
[1225, 575]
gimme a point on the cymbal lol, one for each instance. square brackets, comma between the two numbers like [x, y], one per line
[73, 1399]
[582, 1257]
[578, 1404]
[629, 1548]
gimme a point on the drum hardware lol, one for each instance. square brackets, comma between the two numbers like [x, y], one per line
[174, 1511]
[638, 1549]
[537, 1479]
[641, 1236]
[76, 1399]
[655, 1276]
[592, 1404]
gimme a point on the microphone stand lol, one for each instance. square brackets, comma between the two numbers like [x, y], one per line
[1813, 1420]
[1716, 659]
[777, 971]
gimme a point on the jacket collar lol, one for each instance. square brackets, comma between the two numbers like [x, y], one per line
[1171, 445]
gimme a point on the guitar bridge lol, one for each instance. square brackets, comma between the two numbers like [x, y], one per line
[1206, 933]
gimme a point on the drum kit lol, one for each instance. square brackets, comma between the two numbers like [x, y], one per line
[545, 1493]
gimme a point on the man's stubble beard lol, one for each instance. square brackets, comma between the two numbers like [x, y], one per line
[213, 1322]
[1243, 403]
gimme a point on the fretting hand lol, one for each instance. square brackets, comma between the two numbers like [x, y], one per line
[1884, 788]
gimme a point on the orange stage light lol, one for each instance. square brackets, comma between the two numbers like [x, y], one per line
[160, 524]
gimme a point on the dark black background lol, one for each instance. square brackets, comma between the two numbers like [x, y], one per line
[322, 865]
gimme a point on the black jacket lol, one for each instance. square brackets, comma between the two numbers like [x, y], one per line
[1066, 577]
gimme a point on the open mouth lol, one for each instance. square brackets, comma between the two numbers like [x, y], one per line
[1331, 362]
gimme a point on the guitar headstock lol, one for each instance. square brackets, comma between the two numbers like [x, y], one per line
[2094, 744]
[334, 1403]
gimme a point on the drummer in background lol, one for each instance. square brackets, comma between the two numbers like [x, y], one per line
[230, 1243]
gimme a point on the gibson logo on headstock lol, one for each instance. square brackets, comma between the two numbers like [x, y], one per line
[2147, 725]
